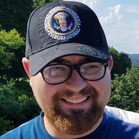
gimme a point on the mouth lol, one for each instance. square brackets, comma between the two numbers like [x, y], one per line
[75, 100]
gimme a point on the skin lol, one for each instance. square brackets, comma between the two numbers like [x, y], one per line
[44, 93]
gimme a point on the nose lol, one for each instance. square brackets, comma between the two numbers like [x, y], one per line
[75, 83]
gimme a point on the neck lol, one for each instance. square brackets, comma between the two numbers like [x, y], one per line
[58, 134]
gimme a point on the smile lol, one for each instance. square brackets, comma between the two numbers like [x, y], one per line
[75, 100]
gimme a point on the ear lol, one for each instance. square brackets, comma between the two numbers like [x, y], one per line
[25, 63]
[111, 63]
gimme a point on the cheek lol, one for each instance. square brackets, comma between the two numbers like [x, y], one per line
[103, 88]
[38, 85]
[42, 91]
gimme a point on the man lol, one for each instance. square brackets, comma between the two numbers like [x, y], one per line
[69, 65]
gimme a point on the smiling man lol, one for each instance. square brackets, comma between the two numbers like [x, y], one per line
[68, 64]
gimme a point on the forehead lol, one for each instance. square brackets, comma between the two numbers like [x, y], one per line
[73, 59]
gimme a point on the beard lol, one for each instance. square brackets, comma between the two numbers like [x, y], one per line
[78, 121]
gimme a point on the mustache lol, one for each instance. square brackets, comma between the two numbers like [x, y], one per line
[90, 91]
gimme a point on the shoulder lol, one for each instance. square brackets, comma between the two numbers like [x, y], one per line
[120, 123]
[126, 116]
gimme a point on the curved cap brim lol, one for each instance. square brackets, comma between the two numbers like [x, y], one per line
[40, 59]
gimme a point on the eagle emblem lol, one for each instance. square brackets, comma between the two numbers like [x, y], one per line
[62, 23]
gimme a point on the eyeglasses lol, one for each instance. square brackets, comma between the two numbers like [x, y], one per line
[59, 73]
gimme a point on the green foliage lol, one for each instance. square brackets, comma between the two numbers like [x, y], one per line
[5, 125]
[10, 43]
[37, 3]
[121, 62]
[125, 92]
[14, 14]
[17, 105]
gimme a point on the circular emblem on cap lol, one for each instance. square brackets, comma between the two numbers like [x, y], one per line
[62, 23]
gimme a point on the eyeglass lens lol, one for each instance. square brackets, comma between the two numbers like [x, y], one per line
[55, 74]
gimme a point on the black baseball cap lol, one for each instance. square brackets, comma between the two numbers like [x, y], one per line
[63, 28]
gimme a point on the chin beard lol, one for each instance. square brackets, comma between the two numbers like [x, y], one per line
[78, 121]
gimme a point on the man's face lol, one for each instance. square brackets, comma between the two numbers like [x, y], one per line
[76, 105]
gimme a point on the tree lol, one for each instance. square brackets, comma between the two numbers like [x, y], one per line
[14, 14]
[121, 62]
[9, 41]
[37, 3]
[5, 125]
[125, 92]
[17, 105]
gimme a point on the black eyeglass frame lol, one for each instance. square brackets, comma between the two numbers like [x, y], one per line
[77, 68]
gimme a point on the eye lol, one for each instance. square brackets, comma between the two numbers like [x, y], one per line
[57, 68]
[92, 66]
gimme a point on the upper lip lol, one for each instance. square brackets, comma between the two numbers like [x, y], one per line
[75, 99]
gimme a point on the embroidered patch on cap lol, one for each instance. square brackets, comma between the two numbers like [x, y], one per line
[62, 23]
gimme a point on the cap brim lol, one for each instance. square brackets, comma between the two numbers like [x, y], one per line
[40, 59]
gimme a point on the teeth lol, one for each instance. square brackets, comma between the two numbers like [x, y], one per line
[76, 100]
